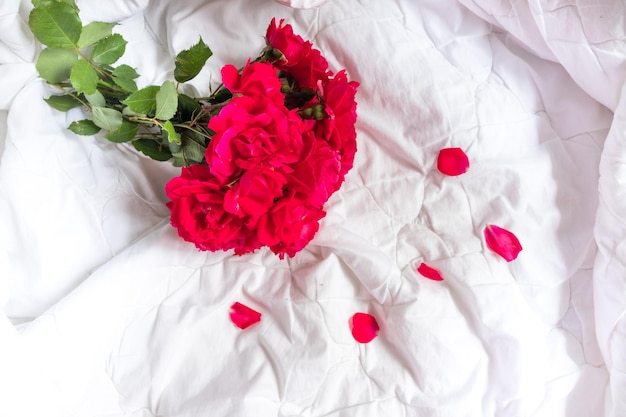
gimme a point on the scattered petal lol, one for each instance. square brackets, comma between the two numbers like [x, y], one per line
[502, 242]
[430, 273]
[452, 161]
[364, 327]
[243, 316]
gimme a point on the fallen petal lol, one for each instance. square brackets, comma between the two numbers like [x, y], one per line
[364, 327]
[243, 316]
[430, 273]
[452, 161]
[502, 242]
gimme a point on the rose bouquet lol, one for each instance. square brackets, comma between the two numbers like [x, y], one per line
[259, 156]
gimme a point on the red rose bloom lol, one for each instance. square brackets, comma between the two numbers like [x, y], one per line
[197, 211]
[256, 79]
[338, 128]
[303, 63]
[254, 194]
[317, 176]
[251, 133]
[289, 226]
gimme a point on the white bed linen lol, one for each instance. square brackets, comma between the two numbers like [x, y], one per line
[107, 312]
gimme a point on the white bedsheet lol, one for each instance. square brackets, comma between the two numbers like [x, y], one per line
[106, 312]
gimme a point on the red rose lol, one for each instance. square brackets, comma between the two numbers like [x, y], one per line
[338, 127]
[317, 176]
[197, 211]
[282, 38]
[254, 193]
[289, 226]
[256, 79]
[252, 133]
[303, 63]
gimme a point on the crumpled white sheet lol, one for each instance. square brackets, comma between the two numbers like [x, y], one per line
[109, 313]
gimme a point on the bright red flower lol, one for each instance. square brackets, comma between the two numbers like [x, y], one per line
[254, 194]
[452, 161]
[364, 327]
[318, 175]
[256, 79]
[243, 316]
[502, 242]
[338, 127]
[430, 273]
[289, 226]
[197, 212]
[252, 133]
[302, 62]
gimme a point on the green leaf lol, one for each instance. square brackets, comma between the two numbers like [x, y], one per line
[152, 149]
[125, 71]
[189, 62]
[63, 103]
[172, 136]
[124, 76]
[143, 101]
[188, 106]
[96, 99]
[38, 3]
[84, 127]
[109, 119]
[193, 151]
[127, 84]
[94, 32]
[56, 25]
[84, 77]
[166, 101]
[124, 133]
[109, 49]
[55, 64]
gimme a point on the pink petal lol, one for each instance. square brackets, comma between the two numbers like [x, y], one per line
[430, 273]
[502, 242]
[243, 316]
[452, 161]
[364, 327]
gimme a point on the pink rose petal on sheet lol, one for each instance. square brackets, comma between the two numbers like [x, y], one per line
[452, 161]
[243, 316]
[364, 327]
[502, 242]
[430, 273]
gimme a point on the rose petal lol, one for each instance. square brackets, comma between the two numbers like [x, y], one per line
[243, 316]
[430, 273]
[452, 161]
[364, 327]
[502, 242]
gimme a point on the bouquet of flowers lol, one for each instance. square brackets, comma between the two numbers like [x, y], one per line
[260, 155]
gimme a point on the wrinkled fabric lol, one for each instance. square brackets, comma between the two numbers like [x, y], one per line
[107, 312]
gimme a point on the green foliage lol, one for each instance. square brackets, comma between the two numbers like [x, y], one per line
[127, 131]
[109, 49]
[96, 99]
[166, 101]
[189, 62]
[152, 149]
[80, 60]
[84, 127]
[109, 119]
[56, 24]
[94, 32]
[125, 71]
[170, 132]
[84, 77]
[63, 102]
[54, 64]
[188, 107]
[143, 101]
